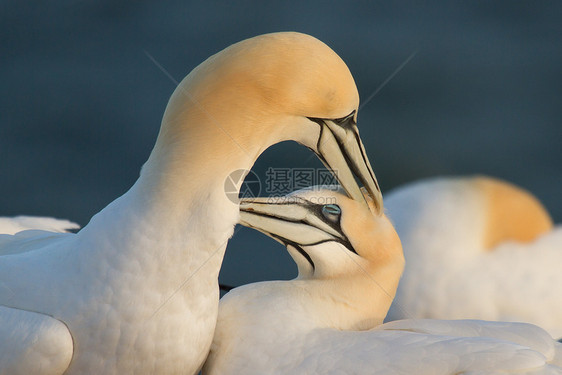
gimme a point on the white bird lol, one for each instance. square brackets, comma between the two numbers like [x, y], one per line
[12, 225]
[328, 319]
[136, 290]
[477, 248]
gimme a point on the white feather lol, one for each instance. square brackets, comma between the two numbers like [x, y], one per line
[13, 225]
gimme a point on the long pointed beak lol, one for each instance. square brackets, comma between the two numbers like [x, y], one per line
[287, 221]
[341, 150]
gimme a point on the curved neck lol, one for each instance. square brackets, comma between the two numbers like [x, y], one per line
[354, 303]
[181, 185]
[189, 166]
[177, 214]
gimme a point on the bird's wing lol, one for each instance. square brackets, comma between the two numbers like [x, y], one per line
[33, 343]
[528, 280]
[29, 240]
[512, 282]
[412, 348]
[523, 334]
[13, 225]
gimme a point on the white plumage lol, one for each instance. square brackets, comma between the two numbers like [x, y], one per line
[12, 225]
[476, 248]
[22, 233]
[328, 320]
[136, 291]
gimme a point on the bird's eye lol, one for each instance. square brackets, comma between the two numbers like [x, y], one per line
[331, 212]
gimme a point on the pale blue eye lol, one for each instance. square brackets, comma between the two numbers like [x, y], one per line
[331, 212]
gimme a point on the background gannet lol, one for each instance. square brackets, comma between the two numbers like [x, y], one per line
[136, 289]
[476, 247]
[12, 225]
[326, 321]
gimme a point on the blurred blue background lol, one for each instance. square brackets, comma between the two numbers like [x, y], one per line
[81, 102]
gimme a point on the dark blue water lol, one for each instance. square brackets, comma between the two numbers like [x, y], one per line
[80, 102]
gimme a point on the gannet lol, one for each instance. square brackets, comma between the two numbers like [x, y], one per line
[328, 319]
[13, 225]
[136, 290]
[477, 247]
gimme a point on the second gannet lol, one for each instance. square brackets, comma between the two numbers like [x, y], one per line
[136, 290]
[477, 247]
[328, 319]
